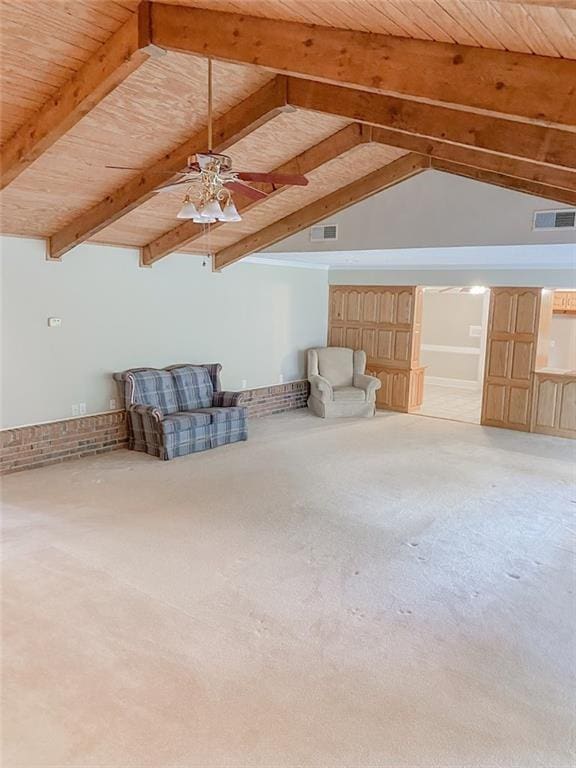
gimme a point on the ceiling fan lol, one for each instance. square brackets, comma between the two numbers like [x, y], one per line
[209, 180]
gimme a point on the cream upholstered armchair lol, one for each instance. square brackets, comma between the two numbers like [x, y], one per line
[338, 384]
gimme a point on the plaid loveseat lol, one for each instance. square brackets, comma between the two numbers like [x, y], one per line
[180, 409]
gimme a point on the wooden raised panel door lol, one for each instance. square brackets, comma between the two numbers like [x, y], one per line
[416, 388]
[393, 393]
[499, 356]
[526, 316]
[369, 342]
[404, 307]
[336, 336]
[547, 403]
[384, 321]
[352, 338]
[370, 308]
[494, 404]
[385, 345]
[567, 418]
[416, 340]
[519, 406]
[554, 404]
[337, 304]
[354, 302]
[402, 347]
[502, 312]
[387, 312]
[522, 357]
[513, 326]
[400, 385]
[384, 394]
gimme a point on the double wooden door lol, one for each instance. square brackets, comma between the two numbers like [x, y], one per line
[516, 345]
[384, 321]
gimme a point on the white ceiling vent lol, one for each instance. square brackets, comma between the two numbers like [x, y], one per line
[324, 232]
[564, 218]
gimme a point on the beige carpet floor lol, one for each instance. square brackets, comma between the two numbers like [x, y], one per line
[386, 593]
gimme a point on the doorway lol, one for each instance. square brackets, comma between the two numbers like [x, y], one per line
[454, 325]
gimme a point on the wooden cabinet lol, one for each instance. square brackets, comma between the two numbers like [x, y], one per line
[564, 303]
[518, 325]
[554, 403]
[384, 321]
[401, 390]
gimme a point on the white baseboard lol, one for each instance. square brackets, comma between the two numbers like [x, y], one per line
[456, 383]
[459, 350]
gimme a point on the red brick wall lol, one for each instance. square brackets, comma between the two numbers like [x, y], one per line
[42, 444]
[276, 399]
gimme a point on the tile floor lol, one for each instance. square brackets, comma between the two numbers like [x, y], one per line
[451, 403]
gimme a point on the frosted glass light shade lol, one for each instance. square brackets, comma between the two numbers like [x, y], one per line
[212, 210]
[188, 210]
[204, 217]
[230, 212]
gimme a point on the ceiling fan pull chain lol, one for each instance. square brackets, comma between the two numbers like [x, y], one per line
[209, 104]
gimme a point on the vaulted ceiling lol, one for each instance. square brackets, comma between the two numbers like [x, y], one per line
[356, 94]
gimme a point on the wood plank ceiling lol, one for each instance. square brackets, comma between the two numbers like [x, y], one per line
[154, 109]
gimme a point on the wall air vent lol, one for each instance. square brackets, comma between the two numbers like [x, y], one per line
[323, 232]
[564, 218]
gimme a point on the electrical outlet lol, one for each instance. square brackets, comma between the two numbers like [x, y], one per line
[54, 322]
[82, 409]
[75, 410]
[281, 378]
[244, 383]
[113, 405]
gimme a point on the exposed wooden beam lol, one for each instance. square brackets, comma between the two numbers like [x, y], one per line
[242, 119]
[568, 4]
[508, 182]
[112, 63]
[549, 146]
[185, 234]
[374, 182]
[521, 169]
[533, 88]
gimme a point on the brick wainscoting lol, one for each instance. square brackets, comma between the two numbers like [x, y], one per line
[41, 444]
[276, 399]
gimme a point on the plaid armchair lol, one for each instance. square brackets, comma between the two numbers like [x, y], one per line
[180, 409]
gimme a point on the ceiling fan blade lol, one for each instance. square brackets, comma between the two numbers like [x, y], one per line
[178, 185]
[192, 169]
[245, 189]
[274, 178]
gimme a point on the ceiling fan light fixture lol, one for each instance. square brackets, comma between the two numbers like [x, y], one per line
[212, 210]
[204, 217]
[188, 210]
[230, 212]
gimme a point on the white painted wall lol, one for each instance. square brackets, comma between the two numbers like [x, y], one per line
[562, 352]
[435, 210]
[448, 351]
[256, 320]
